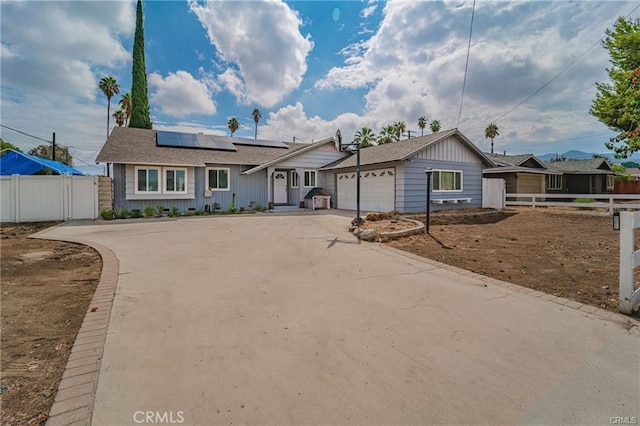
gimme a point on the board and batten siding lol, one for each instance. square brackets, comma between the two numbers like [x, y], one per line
[411, 185]
[247, 189]
[450, 150]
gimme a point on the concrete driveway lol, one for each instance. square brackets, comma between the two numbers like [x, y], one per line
[288, 320]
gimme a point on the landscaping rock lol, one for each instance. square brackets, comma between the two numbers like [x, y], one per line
[369, 235]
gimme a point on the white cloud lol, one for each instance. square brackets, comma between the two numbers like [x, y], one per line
[368, 11]
[263, 42]
[56, 46]
[180, 94]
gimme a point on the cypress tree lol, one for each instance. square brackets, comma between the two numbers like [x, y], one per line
[140, 100]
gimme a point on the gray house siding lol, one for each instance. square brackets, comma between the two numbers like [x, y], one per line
[411, 186]
[247, 189]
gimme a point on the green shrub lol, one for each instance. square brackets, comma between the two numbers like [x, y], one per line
[135, 213]
[584, 201]
[259, 207]
[231, 208]
[160, 210]
[119, 213]
[149, 211]
[174, 212]
[107, 214]
[198, 212]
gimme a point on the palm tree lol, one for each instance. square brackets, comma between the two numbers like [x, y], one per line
[387, 135]
[257, 115]
[422, 123]
[491, 132]
[435, 126]
[120, 117]
[110, 88]
[364, 137]
[126, 103]
[400, 127]
[233, 125]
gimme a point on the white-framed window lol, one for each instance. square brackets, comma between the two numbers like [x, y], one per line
[218, 179]
[294, 179]
[447, 181]
[554, 182]
[175, 180]
[310, 178]
[610, 181]
[147, 180]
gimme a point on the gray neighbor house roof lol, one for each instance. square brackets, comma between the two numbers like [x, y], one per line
[590, 166]
[127, 145]
[513, 160]
[401, 150]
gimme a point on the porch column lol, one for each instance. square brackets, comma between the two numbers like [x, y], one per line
[270, 171]
[301, 189]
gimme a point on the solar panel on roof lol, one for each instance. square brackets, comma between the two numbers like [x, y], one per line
[259, 142]
[189, 140]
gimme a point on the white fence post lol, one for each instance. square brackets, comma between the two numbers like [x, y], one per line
[629, 260]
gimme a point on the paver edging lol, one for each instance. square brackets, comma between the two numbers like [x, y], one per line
[79, 407]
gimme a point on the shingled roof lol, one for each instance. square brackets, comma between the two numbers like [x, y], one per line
[513, 160]
[127, 145]
[401, 150]
[588, 166]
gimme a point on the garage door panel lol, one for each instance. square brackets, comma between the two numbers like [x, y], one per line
[377, 190]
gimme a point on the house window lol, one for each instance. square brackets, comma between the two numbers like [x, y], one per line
[175, 180]
[218, 179]
[294, 179]
[447, 181]
[610, 180]
[147, 180]
[555, 182]
[310, 178]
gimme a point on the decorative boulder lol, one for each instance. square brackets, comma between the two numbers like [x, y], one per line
[369, 235]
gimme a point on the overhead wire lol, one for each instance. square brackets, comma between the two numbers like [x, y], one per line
[466, 65]
[24, 133]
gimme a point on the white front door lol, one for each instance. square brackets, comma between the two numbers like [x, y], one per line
[280, 187]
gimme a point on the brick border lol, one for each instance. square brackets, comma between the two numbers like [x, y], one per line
[76, 392]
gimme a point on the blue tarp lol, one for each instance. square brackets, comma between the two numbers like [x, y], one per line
[18, 163]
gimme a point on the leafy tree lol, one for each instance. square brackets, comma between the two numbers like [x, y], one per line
[62, 153]
[387, 135]
[109, 86]
[233, 125]
[434, 126]
[625, 177]
[617, 103]
[422, 123]
[365, 137]
[126, 105]
[400, 127]
[7, 145]
[120, 117]
[491, 132]
[630, 164]
[257, 115]
[139, 96]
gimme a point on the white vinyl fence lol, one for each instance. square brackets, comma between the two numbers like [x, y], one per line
[629, 261]
[493, 193]
[607, 201]
[45, 198]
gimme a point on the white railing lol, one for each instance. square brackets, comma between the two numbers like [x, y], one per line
[607, 201]
[629, 260]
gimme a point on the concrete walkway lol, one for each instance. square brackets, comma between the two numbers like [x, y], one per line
[288, 320]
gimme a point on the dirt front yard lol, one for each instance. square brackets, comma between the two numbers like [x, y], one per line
[46, 289]
[570, 255]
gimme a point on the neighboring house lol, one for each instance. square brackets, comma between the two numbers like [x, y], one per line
[591, 176]
[393, 175]
[634, 172]
[523, 174]
[526, 174]
[188, 171]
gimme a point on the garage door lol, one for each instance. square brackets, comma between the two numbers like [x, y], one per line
[377, 190]
[530, 184]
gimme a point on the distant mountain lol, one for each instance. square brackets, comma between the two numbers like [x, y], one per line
[575, 154]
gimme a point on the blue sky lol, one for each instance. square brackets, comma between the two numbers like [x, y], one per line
[311, 67]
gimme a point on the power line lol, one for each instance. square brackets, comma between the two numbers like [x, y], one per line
[24, 133]
[466, 65]
[557, 75]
